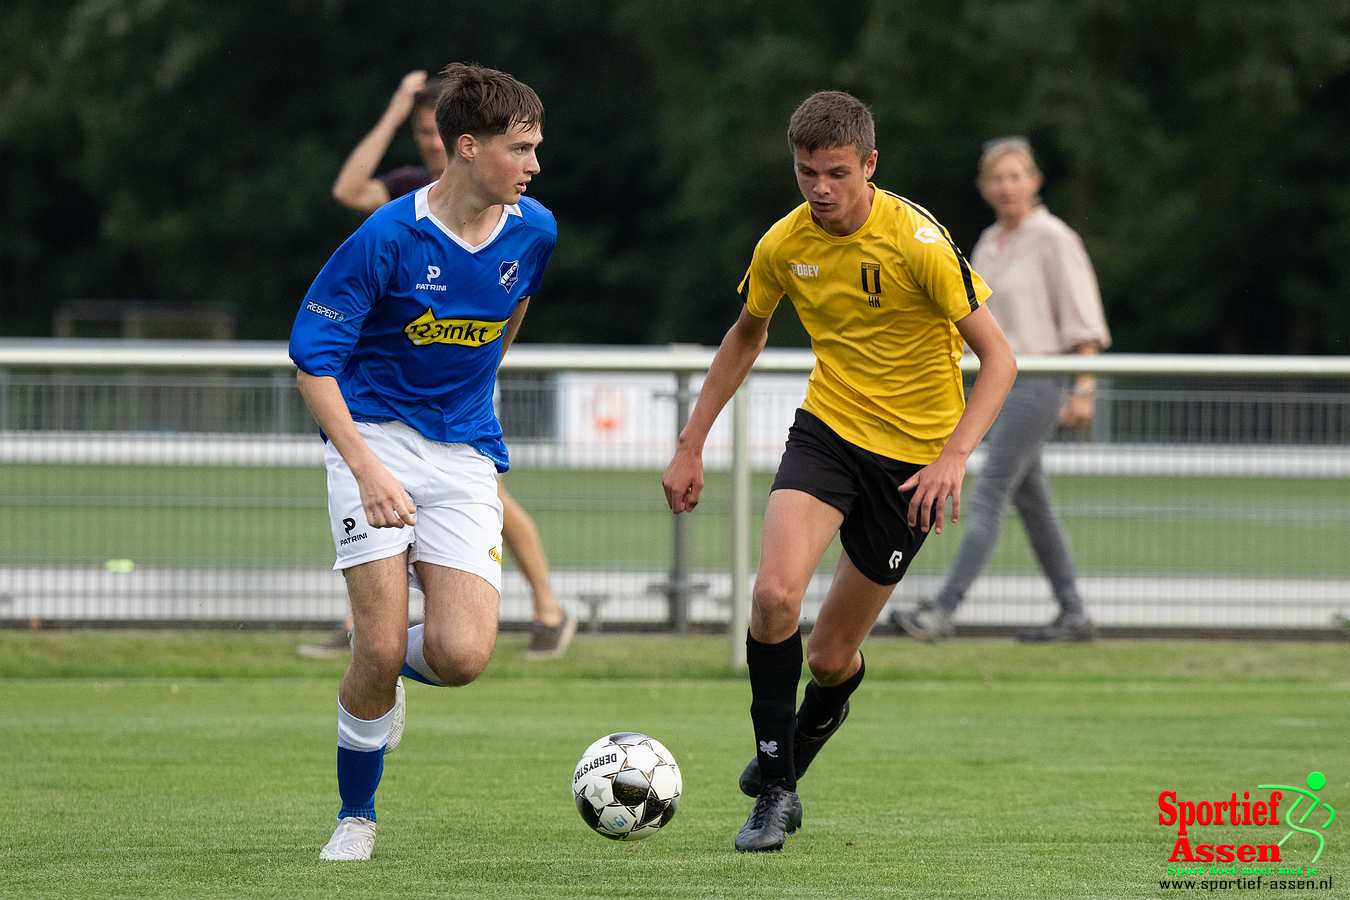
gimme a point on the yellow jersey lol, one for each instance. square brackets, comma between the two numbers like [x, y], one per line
[880, 306]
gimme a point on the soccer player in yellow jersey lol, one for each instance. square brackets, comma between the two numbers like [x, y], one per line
[878, 448]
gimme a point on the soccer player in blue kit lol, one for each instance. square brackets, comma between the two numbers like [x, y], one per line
[398, 342]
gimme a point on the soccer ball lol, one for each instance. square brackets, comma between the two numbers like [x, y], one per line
[626, 786]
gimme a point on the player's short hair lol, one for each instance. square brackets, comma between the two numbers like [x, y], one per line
[832, 119]
[426, 97]
[996, 149]
[483, 102]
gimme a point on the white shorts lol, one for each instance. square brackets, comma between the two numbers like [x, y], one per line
[453, 486]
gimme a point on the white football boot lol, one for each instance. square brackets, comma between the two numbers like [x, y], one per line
[400, 719]
[353, 839]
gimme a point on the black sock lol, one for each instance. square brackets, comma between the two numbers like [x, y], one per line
[775, 670]
[822, 705]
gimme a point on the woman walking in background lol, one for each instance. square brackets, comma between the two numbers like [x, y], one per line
[1047, 301]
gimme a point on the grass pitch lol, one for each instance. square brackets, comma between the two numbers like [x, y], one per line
[200, 764]
[222, 516]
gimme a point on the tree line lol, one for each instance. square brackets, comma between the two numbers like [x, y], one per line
[184, 152]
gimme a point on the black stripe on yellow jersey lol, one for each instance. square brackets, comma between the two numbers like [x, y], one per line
[960, 257]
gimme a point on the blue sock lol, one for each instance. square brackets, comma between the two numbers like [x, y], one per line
[359, 774]
[360, 761]
[409, 672]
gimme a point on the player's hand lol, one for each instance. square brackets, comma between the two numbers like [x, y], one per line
[385, 502]
[933, 485]
[1077, 410]
[683, 481]
[401, 103]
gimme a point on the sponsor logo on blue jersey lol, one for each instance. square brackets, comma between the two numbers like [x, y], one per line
[433, 272]
[427, 329]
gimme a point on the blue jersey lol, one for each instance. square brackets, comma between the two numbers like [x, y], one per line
[409, 318]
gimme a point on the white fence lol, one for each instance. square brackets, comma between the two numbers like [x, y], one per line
[181, 482]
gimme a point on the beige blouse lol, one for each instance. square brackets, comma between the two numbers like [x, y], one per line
[1045, 292]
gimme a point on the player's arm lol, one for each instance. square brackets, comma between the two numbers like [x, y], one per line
[327, 328]
[683, 478]
[513, 324]
[942, 478]
[356, 186]
[386, 503]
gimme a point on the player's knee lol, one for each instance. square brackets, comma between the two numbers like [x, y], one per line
[458, 665]
[462, 670]
[829, 665]
[775, 602]
[382, 655]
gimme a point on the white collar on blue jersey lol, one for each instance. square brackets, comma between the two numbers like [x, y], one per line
[424, 212]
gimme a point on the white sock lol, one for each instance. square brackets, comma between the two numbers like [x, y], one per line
[363, 735]
[417, 660]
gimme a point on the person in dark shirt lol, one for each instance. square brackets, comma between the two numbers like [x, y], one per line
[357, 187]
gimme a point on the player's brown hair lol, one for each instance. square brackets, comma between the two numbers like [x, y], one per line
[832, 119]
[483, 102]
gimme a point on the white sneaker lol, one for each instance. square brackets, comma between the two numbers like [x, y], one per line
[353, 839]
[400, 718]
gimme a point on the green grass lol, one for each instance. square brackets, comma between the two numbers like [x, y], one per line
[200, 764]
[276, 518]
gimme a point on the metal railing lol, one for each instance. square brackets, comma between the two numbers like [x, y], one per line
[176, 481]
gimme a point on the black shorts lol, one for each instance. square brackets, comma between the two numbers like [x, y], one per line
[860, 484]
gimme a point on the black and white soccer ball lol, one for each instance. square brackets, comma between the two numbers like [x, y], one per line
[627, 786]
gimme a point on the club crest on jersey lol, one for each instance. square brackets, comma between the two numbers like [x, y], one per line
[507, 273]
[427, 329]
[871, 283]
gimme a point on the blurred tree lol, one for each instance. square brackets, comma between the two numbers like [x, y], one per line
[184, 151]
